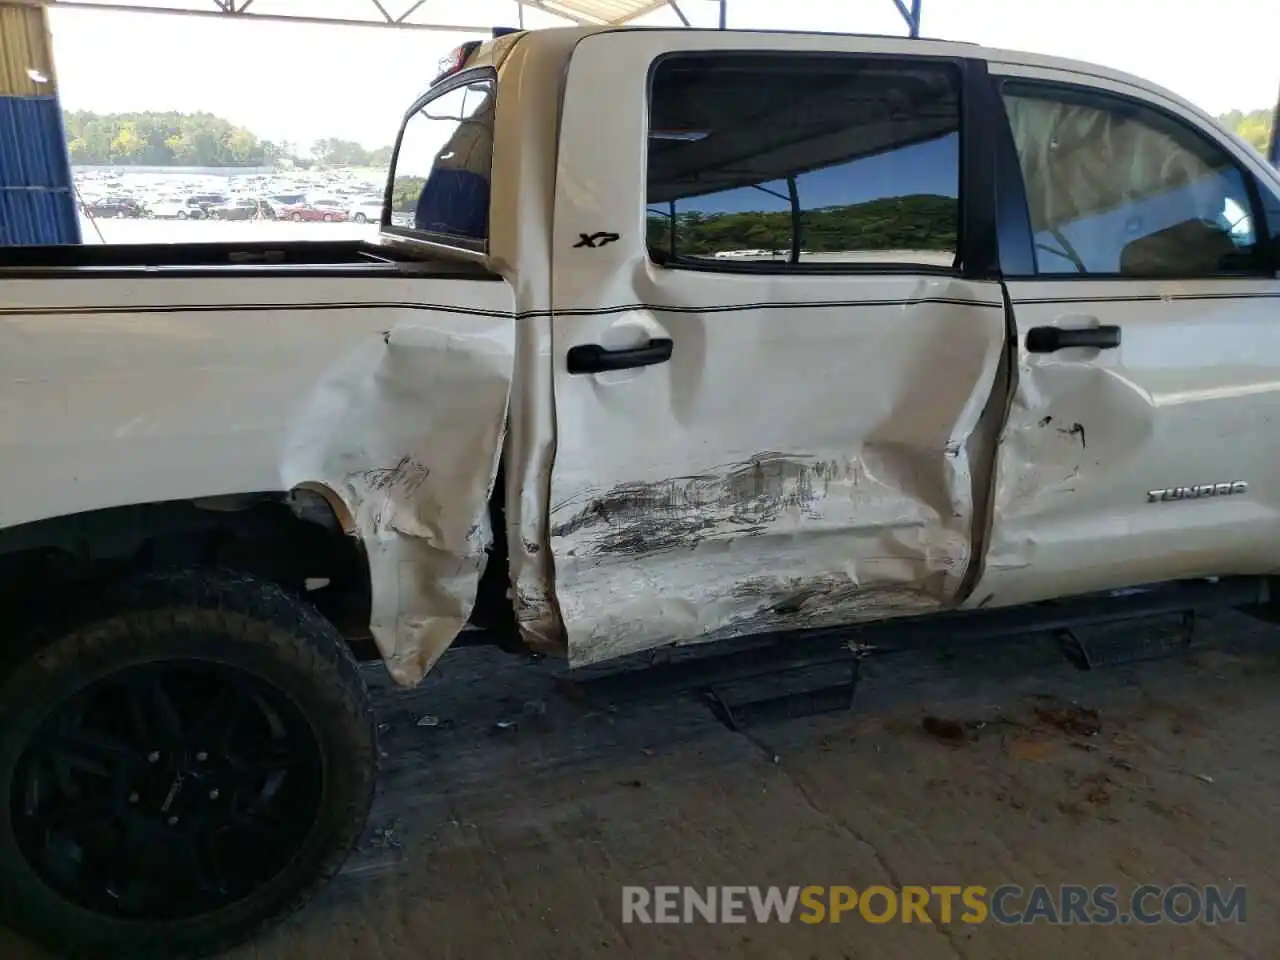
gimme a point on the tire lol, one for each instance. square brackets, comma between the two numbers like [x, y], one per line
[182, 214]
[133, 702]
[296, 218]
[329, 218]
[360, 218]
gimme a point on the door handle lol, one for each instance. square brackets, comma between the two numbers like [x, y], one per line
[593, 358]
[1049, 339]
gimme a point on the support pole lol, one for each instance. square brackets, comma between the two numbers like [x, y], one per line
[911, 15]
[724, 14]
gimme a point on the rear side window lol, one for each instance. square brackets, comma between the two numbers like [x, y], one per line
[803, 161]
[443, 165]
[1115, 187]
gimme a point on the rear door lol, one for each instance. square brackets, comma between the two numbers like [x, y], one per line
[769, 378]
[1141, 439]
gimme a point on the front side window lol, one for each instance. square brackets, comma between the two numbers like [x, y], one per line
[803, 161]
[442, 169]
[1114, 187]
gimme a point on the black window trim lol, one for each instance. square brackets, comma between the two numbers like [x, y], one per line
[1016, 239]
[975, 220]
[437, 241]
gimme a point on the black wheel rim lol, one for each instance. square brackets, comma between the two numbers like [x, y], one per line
[167, 791]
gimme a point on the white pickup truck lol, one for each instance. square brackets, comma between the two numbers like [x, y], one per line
[668, 337]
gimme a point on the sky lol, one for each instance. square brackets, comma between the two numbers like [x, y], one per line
[301, 82]
[932, 167]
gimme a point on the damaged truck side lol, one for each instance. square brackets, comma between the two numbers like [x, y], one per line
[669, 337]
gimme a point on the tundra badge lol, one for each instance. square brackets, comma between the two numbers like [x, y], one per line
[1196, 493]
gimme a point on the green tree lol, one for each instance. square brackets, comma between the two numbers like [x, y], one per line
[1253, 127]
[922, 222]
[405, 192]
[161, 139]
[196, 140]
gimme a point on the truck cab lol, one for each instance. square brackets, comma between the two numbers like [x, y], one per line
[843, 328]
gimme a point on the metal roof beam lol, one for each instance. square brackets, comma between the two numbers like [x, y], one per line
[583, 12]
[224, 9]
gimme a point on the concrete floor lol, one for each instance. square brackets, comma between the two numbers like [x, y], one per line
[489, 842]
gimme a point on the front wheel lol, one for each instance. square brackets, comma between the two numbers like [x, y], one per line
[296, 218]
[182, 214]
[180, 765]
[361, 218]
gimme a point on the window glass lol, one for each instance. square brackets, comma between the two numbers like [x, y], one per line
[443, 166]
[806, 160]
[1114, 187]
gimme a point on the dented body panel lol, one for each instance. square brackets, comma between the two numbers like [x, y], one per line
[1192, 398]
[804, 457]
[378, 391]
[792, 473]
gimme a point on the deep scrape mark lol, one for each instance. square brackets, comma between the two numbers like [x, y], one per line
[1075, 430]
[740, 500]
[406, 476]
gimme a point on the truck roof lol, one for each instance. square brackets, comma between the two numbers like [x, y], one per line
[493, 52]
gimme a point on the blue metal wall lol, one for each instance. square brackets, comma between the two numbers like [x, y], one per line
[37, 202]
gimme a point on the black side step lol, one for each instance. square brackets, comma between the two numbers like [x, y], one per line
[773, 697]
[806, 671]
[1118, 642]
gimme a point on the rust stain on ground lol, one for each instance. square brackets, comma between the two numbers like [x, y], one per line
[1070, 718]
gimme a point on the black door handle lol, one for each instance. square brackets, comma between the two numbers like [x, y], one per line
[1049, 339]
[593, 358]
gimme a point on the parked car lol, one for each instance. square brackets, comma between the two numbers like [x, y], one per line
[186, 208]
[1000, 382]
[311, 211]
[207, 201]
[366, 211]
[243, 209]
[114, 207]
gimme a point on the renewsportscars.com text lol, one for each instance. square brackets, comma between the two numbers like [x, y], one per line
[1007, 904]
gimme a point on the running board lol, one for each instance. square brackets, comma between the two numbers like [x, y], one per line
[804, 672]
[1117, 642]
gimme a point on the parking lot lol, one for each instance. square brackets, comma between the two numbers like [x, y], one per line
[214, 231]
[510, 815]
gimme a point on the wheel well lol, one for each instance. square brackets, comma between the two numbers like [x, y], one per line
[295, 540]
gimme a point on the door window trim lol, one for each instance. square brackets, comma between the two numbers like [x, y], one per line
[1016, 239]
[975, 221]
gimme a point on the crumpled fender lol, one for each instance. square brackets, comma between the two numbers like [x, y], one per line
[406, 431]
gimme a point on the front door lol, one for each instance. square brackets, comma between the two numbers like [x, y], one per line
[1141, 439]
[768, 382]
